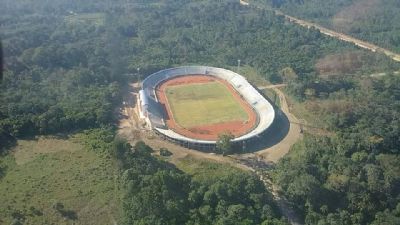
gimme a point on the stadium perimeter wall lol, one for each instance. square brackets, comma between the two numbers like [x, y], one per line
[156, 114]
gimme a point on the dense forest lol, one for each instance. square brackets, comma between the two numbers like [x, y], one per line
[371, 20]
[157, 193]
[66, 61]
[351, 176]
[60, 74]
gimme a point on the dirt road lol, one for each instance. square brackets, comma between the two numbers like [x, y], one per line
[262, 159]
[271, 86]
[282, 148]
[274, 153]
[337, 35]
[130, 128]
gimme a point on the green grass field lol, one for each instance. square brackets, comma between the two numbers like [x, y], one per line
[43, 173]
[206, 171]
[272, 96]
[201, 104]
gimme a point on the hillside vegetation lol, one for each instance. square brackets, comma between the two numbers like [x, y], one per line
[376, 21]
[58, 181]
[65, 62]
[349, 176]
[158, 193]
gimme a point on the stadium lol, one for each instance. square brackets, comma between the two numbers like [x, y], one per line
[192, 105]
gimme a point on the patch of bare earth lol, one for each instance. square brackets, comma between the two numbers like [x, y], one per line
[359, 10]
[129, 124]
[337, 64]
[180, 153]
[132, 130]
[248, 162]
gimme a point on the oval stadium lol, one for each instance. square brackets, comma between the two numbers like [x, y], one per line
[192, 105]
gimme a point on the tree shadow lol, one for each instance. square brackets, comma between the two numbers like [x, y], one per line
[3, 171]
[2, 67]
[7, 142]
[69, 214]
[66, 213]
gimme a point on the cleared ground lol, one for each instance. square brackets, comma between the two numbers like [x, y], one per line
[207, 171]
[205, 103]
[44, 173]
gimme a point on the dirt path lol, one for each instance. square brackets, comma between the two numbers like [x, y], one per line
[276, 152]
[271, 86]
[248, 163]
[181, 152]
[130, 128]
[281, 201]
[265, 158]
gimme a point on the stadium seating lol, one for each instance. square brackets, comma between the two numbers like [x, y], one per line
[264, 110]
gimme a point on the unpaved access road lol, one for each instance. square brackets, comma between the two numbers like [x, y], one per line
[334, 34]
[131, 129]
[276, 152]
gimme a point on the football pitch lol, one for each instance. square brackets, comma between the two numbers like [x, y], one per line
[201, 104]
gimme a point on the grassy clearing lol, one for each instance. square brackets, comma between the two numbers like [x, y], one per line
[205, 171]
[96, 19]
[44, 172]
[252, 75]
[27, 152]
[300, 111]
[201, 104]
[272, 96]
[312, 111]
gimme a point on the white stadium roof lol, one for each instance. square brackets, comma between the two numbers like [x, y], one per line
[263, 108]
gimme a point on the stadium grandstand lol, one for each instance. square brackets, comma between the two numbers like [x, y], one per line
[154, 113]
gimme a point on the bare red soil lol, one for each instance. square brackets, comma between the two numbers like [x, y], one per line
[210, 131]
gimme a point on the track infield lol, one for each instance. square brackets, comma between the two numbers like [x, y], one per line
[202, 107]
[195, 104]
